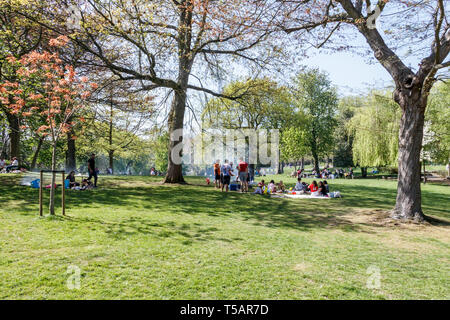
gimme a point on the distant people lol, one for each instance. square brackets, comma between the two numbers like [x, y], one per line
[72, 181]
[153, 172]
[322, 189]
[217, 179]
[350, 172]
[259, 189]
[281, 187]
[314, 188]
[243, 175]
[299, 186]
[92, 170]
[327, 187]
[86, 185]
[226, 172]
[14, 164]
[109, 170]
[272, 188]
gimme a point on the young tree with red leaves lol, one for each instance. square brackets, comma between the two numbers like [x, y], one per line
[49, 88]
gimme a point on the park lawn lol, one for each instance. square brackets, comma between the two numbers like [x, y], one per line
[134, 238]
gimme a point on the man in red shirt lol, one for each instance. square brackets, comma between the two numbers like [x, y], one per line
[243, 173]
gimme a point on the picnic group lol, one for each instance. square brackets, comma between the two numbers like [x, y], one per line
[223, 174]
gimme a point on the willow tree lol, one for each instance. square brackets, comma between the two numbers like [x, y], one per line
[163, 43]
[422, 28]
[373, 129]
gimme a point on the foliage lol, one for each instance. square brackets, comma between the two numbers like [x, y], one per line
[437, 125]
[262, 103]
[374, 129]
[317, 99]
[343, 147]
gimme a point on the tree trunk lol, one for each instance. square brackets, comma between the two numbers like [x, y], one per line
[111, 160]
[176, 118]
[14, 136]
[316, 161]
[36, 154]
[52, 189]
[364, 172]
[71, 161]
[409, 200]
[110, 137]
[303, 163]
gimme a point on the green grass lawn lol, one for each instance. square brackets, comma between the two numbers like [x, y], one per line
[134, 238]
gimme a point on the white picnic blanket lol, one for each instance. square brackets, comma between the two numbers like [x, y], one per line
[303, 196]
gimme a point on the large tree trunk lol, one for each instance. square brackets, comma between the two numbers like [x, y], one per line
[14, 135]
[36, 153]
[409, 200]
[71, 160]
[176, 118]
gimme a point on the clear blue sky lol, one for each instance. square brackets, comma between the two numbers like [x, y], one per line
[351, 73]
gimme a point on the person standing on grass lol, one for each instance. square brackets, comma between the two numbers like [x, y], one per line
[226, 172]
[243, 174]
[92, 170]
[217, 177]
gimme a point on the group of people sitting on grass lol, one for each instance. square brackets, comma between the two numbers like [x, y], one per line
[325, 173]
[320, 190]
[73, 184]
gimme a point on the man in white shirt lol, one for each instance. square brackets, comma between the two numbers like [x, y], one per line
[14, 164]
[2, 163]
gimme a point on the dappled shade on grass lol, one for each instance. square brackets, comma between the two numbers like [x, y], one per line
[137, 238]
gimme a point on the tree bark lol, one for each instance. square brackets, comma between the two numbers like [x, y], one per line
[52, 186]
[36, 154]
[14, 136]
[364, 172]
[71, 161]
[316, 161]
[110, 137]
[176, 119]
[409, 199]
[111, 160]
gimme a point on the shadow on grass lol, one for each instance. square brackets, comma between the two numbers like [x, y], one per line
[302, 214]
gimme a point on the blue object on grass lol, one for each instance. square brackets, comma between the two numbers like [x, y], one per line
[35, 183]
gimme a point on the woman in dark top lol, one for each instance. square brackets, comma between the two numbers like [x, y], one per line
[322, 189]
[71, 178]
[327, 187]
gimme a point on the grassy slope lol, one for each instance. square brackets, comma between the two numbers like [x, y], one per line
[139, 239]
